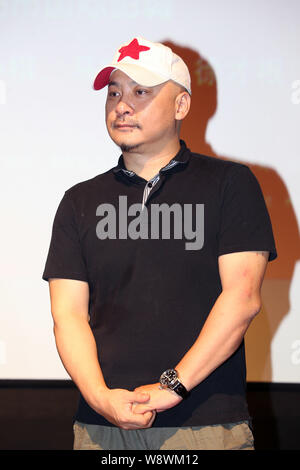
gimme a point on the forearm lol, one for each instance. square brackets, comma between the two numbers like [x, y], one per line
[221, 335]
[77, 349]
[219, 338]
[241, 277]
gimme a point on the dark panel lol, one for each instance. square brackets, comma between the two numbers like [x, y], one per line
[38, 415]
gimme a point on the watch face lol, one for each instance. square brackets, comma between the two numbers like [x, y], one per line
[168, 377]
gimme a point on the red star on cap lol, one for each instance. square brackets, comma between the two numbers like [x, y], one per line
[132, 50]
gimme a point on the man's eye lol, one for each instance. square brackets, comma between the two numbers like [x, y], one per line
[113, 93]
[141, 91]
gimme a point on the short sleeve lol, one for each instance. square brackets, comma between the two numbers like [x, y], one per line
[245, 222]
[65, 258]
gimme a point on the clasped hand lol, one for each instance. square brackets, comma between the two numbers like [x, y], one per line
[160, 399]
[137, 409]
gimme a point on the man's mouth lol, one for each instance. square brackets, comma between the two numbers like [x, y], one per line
[125, 126]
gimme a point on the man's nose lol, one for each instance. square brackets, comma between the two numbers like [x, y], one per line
[124, 107]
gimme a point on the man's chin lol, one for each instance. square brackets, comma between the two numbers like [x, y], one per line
[128, 147]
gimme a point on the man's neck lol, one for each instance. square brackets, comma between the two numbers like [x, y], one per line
[147, 164]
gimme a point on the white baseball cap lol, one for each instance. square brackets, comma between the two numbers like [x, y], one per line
[147, 63]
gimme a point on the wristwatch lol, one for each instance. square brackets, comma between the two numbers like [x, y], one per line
[169, 379]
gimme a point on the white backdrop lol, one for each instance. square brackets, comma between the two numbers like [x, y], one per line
[53, 135]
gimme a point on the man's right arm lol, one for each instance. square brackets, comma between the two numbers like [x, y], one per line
[78, 351]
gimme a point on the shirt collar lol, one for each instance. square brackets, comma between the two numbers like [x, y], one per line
[181, 158]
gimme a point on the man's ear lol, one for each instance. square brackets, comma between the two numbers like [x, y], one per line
[182, 105]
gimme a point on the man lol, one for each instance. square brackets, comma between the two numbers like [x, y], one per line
[155, 269]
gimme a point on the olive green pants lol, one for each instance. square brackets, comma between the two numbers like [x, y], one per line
[233, 436]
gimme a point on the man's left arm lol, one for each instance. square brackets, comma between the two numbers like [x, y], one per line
[241, 276]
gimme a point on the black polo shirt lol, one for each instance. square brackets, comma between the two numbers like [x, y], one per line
[153, 281]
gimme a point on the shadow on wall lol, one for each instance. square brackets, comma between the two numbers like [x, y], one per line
[276, 287]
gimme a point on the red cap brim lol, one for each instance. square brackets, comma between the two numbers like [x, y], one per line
[102, 78]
